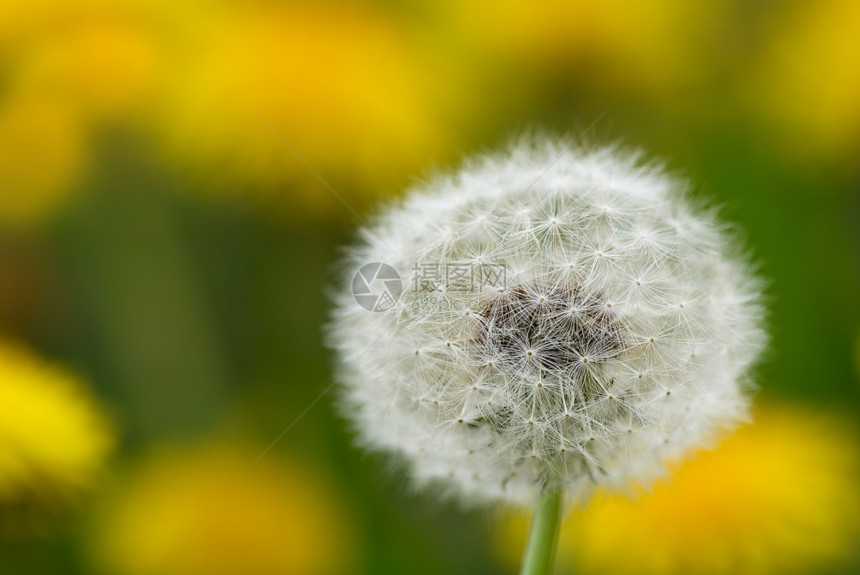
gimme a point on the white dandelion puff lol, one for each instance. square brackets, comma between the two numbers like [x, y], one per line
[567, 318]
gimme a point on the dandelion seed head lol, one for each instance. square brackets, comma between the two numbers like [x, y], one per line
[607, 351]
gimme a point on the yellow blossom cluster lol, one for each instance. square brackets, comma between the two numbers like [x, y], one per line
[264, 99]
[66, 68]
[268, 99]
[53, 437]
[807, 80]
[213, 510]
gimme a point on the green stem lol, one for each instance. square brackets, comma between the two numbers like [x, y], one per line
[540, 549]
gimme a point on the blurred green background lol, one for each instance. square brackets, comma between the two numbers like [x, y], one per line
[165, 244]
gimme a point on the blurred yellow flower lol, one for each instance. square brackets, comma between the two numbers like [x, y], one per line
[808, 79]
[42, 150]
[96, 56]
[213, 511]
[339, 83]
[65, 67]
[53, 438]
[648, 47]
[781, 496]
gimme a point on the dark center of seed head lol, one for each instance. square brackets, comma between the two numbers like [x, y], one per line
[556, 332]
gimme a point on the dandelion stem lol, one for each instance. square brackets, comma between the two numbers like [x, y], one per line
[540, 549]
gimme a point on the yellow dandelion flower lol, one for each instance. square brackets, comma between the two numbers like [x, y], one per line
[651, 47]
[212, 511]
[96, 56]
[42, 151]
[781, 496]
[67, 66]
[53, 438]
[808, 79]
[340, 85]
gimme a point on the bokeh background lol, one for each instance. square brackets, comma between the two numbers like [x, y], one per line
[177, 180]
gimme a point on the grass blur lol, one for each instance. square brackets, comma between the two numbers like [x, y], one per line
[162, 235]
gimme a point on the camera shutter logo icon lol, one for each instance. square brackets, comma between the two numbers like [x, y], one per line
[376, 286]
